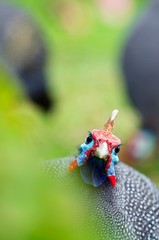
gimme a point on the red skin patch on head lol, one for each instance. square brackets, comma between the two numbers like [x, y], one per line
[101, 136]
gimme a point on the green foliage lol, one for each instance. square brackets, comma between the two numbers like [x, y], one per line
[84, 72]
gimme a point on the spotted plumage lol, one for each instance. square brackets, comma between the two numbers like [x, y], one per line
[129, 211]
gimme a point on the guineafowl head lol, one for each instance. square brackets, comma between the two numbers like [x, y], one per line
[98, 155]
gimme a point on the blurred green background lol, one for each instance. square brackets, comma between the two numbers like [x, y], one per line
[85, 44]
[83, 68]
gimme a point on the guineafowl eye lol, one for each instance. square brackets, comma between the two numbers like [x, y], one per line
[117, 149]
[89, 139]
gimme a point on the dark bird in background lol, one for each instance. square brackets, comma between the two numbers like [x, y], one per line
[23, 51]
[129, 211]
[141, 72]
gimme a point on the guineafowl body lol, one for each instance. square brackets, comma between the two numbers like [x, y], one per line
[23, 52]
[131, 208]
[141, 74]
[140, 66]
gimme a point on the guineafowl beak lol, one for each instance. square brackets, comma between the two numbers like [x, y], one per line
[102, 151]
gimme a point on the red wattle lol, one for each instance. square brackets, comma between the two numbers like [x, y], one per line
[112, 180]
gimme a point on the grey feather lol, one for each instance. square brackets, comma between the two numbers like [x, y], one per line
[23, 52]
[141, 68]
[128, 211]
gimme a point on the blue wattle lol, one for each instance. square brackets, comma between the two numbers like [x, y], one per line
[93, 171]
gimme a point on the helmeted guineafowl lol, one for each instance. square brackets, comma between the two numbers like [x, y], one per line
[141, 74]
[23, 52]
[128, 209]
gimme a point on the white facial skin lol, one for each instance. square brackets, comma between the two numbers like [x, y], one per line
[102, 151]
